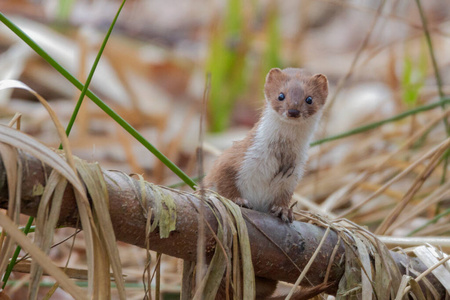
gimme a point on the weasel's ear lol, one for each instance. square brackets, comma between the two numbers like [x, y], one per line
[320, 82]
[274, 81]
[275, 75]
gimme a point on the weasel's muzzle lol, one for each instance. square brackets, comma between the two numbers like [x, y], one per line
[293, 113]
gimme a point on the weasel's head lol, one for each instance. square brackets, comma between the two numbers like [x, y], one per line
[294, 94]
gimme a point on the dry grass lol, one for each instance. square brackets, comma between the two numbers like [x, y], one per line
[392, 179]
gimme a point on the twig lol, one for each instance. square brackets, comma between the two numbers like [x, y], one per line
[200, 270]
[363, 45]
[397, 177]
[423, 176]
[383, 162]
[308, 265]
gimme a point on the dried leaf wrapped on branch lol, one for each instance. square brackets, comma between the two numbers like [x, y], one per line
[348, 259]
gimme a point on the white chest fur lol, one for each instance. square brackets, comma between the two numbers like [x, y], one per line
[275, 161]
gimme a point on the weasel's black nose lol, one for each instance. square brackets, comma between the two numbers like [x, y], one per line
[293, 113]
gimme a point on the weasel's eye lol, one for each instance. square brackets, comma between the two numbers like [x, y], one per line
[281, 97]
[308, 100]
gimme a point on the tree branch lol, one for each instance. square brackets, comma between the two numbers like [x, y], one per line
[268, 235]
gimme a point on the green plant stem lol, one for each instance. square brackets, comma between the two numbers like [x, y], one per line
[29, 229]
[374, 125]
[16, 254]
[133, 132]
[91, 73]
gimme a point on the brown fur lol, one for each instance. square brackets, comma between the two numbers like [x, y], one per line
[223, 175]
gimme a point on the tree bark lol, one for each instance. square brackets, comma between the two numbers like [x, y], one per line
[267, 234]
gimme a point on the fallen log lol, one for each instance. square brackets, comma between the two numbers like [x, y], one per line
[279, 250]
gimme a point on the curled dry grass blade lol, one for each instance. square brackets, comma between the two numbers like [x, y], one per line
[46, 239]
[14, 176]
[369, 248]
[93, 178]
[410, 284]
[209, 284]
[46, 219]
[66, 168]
[231, 233]
[222, 243]
[369, 267]
[366, 276]
[248, 279]
[241, 247]
[405, 283]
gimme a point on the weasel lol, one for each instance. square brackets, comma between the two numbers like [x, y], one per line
[262, 170]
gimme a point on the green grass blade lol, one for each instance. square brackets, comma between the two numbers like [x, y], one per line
[132, 131]
[432, 221]
[227, 58]
[91, 73]
[374, 125]
[64, 9]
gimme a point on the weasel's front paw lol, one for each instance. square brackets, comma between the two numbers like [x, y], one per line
[242, 203]
[285, 213]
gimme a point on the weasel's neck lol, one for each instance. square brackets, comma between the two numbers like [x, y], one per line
[273, 131]
[277, 150]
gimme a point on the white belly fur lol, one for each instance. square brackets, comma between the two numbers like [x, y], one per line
[256, 181]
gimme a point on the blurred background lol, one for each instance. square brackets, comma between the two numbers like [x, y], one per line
[154, 71]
